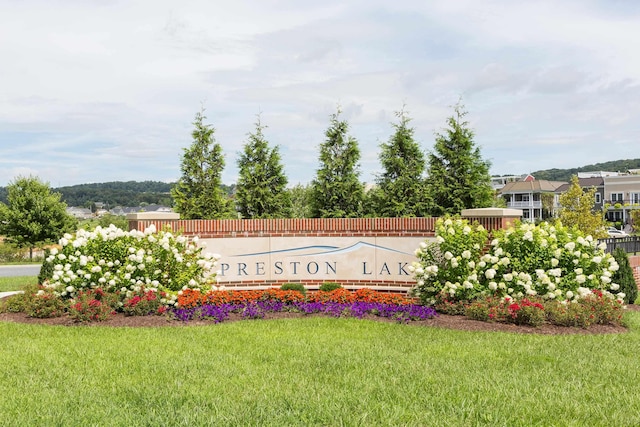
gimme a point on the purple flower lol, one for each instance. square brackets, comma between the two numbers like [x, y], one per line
[257, 310]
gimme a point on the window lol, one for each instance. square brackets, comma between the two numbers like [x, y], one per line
[598, 199]
[634, 198]
[616, 197]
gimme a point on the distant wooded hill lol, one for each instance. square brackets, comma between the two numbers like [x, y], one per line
[565, 174]
[116, 193]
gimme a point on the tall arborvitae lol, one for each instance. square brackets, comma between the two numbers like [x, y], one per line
[401, 188]
[261, 190]
[457, 177]
[337, 191]
[198, 193]
[624, 276]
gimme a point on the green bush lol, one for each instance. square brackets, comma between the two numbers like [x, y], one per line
[479, 310]
[44, 304]
[144, 302]
[524, 261]
[116, 260]
[294, 287]
[524, 312]
[567, 314]
[330, 286]
[46, 270]
[624, 276]
[9, 253]
[92, 306]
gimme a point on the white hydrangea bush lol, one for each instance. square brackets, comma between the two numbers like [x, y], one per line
[545, 260]
[128, 261]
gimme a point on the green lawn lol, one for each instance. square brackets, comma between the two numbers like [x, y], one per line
[315, 372]
[16, 283]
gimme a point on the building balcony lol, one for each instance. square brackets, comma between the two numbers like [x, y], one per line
[529, 204]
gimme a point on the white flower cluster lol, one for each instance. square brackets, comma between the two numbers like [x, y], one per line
[113, 259]
[527, 260]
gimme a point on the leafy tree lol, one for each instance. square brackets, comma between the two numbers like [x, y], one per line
[635, 220]
[458, 177]
[576, 210]
[402, 189]
[33, 215]
[198, 193]
[624, 276]
[300, 196]
[337, 191]
[261, 189]
[546, 200]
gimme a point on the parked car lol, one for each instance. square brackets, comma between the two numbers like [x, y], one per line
[614, 232]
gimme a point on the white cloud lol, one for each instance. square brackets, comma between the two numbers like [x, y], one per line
[96, 91]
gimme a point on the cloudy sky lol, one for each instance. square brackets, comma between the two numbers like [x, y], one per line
[107, 90]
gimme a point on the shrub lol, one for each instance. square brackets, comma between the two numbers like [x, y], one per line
[92, 306]
[294, 287]
[13, 304]
[527, 312]
[446, 305]
[550, 261]
[10, 253]
[329, 286]
[43, 304]
[565, 313]
[480, 309]
[624, 276]
[603, 309]
[144, 302]
[506, 310]
[46, 270]
[113, 259]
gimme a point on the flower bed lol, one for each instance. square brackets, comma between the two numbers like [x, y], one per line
[218, 305]
[528, 274]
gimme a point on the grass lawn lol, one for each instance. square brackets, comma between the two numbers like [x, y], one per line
[16, 283]
[315, 371]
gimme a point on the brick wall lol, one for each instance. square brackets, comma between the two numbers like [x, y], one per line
[634, 261]
[346, 227]
[420, 228]
[297, 227]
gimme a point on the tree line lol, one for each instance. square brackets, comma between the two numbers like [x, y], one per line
[452, 177]
[566, 174]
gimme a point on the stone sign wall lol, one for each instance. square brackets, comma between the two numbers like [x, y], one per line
[356, 252]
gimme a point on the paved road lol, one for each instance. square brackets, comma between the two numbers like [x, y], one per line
[19, 270]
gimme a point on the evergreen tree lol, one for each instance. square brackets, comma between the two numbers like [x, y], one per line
[457, 177]
[401, 188]
[300, 196]
[198, 194]
[624, 276]
[337, 191]
[261, 190]
[33, 214]
[576, 210]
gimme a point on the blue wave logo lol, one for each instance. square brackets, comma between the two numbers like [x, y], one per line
[327, 250]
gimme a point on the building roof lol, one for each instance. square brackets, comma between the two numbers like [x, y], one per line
[538, 186]
[584, 183]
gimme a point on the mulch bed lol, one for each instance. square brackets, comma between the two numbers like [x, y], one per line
[441, 321]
